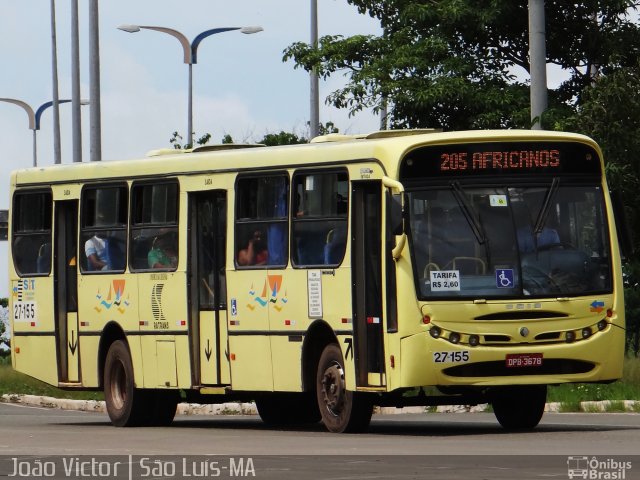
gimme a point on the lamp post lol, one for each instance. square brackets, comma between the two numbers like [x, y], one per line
[34, 118]
[190, 56]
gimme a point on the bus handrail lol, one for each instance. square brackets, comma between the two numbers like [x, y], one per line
[392, 184]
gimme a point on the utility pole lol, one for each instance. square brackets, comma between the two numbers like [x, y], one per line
[57, 149]
[95, 146]
[537, 62]
[314, 117]
[76, 125]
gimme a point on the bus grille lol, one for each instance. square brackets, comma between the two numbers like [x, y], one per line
[551, 366]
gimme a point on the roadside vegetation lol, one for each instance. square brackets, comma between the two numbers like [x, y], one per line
[15, 382]
[628, 388]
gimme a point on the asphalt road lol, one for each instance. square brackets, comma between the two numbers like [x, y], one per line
[446, 446]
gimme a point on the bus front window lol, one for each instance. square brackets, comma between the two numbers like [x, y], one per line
[495, 242]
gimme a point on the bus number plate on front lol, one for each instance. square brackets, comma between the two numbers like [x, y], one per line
[520, 360]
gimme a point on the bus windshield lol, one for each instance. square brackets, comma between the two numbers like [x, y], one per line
[495, 241]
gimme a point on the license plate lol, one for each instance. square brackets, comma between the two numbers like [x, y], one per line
[520, 360]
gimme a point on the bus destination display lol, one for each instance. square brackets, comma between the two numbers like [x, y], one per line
[516, 158]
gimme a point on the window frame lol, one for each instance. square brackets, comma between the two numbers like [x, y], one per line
[241, 223]
[318, 218]
[135, 227]
[47, 232]
[112, 227]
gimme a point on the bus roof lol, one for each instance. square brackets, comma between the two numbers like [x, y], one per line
[387, 147]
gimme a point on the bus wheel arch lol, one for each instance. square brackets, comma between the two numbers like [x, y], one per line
[318, 336]
[111, 332]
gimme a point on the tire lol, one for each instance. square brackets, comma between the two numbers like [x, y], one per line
[281, 409]
[519, 407]
[125, 403]
[342, 410]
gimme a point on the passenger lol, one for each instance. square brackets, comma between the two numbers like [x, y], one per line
[95, 250]
[163, 253]
[255, 253]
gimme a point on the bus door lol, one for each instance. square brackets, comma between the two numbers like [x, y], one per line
[207, 288]
[366, 258]
[66, 290]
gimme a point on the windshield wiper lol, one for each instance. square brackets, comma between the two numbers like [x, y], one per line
[468, 212]
[546, 206]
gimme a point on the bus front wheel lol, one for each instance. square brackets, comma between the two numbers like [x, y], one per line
[519, 407]
[125, 403]
[342, 410]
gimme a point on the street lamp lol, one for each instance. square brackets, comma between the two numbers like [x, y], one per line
[190, 56]
[34, 118]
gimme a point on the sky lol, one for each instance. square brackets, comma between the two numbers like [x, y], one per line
[241, 86]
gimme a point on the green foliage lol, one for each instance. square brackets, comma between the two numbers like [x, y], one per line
[451, 63]
[282, 138]
[628, 388]
[15, 382]
[176, 141]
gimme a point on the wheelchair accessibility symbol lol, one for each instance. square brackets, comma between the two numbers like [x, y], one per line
[504, 278]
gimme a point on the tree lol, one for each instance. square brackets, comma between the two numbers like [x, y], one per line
[610, 113]
[452, 63]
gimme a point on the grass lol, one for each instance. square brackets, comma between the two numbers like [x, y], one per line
[628, 388]
[15, 382]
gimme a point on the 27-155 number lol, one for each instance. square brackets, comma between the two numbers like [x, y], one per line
[451, 357]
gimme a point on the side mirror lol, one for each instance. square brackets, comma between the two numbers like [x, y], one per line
[396, 214]
[625, 238]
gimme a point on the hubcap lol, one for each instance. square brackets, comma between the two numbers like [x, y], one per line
[333, 388]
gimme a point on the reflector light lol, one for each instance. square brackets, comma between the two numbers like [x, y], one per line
[609, 312]
[426, 319]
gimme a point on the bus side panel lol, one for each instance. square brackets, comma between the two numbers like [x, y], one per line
[105, 299]
[163, 318]
[36, 357]
[249, 337]
[32, 325]
[88, 347]
[288, 319]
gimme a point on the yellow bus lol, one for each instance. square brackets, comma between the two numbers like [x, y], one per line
[321, 280]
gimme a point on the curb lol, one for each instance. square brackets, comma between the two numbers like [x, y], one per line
[231, 408]
[235, 408]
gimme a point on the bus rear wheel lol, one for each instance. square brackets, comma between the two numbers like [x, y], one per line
[519, 407]
[342, 410]
[125, 403]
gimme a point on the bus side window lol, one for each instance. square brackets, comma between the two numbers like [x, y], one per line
[319, 226]
[154, 226]
[31, 233]
[103, 229]
[262, 221]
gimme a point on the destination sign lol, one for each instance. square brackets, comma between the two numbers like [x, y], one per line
[517, 158]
